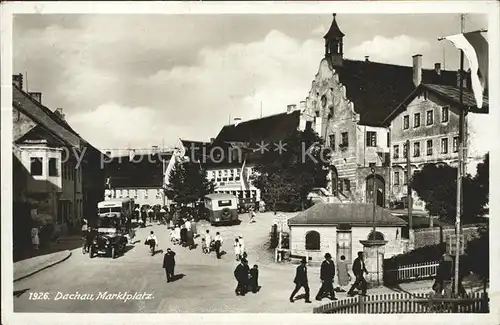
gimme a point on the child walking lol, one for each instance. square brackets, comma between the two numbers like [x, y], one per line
[204, 247]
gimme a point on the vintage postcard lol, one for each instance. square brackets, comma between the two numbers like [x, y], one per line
[208, 162]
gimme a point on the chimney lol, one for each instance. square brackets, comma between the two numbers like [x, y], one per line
[464, 79]
[437, 68]
[212, 140]
[36, 96]
[367, 58]
[290, 108]
[154, 150]
[17, 80]
[237, 120]
[59, 113]
[417, 69]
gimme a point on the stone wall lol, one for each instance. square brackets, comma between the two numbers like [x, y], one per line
[432, 236]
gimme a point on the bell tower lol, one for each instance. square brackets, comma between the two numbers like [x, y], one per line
[334, 49]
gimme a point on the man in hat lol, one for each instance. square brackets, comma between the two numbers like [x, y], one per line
[327, 274]
[169, 264]
[301, 280]
[241, 274]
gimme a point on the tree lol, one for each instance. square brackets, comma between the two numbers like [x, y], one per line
[436, 185]
[286, 177]
[188, 183]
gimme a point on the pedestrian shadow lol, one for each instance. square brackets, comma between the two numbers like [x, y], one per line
[19, 293]
[177, 277]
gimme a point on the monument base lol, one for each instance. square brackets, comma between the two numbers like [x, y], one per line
[374, 261]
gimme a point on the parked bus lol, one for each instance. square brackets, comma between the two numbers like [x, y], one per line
[222, 208]
[123, 208]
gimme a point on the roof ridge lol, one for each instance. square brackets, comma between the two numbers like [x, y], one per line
[395, 65]
[54, 117]
[262, 118]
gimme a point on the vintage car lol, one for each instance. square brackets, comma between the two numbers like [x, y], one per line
[110, 238]
[222, 209]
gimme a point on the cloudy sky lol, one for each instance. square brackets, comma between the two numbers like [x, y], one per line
[142, 80]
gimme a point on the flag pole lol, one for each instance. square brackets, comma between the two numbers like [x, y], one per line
[460, 171]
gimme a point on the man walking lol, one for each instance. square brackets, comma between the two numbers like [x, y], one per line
[327, 275]
[301, 280]
[359, 269]
[241, 274]
[169, 264]
[152, 241]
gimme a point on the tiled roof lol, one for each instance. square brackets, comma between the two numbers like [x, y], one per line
[334, 30]
[247, 136]
[449, 94]
[270, 128]
[39, 132]
[354, 214]
[376, 89]
[199, 148]
[40, 114]
[453, 94]
[143, 171]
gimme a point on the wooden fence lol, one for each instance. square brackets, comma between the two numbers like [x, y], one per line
[405, 303]
[419, 271]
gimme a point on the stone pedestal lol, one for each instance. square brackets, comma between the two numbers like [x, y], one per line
[374, 261]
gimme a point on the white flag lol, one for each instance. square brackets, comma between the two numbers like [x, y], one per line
[475, 48]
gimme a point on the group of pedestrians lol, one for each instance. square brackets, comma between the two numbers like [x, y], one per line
[209, 244]
[327, 275]
[239, 248]
[247, 279]
[183, 233]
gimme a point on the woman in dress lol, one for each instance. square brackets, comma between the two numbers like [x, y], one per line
[237, 249]
[343, 272]
[177, 234]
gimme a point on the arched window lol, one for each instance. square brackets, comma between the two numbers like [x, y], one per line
[312, 240]
[378, 236]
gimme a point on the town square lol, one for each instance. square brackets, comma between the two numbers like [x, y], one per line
[197, 172]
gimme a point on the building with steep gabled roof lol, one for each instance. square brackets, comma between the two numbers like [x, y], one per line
[60, 172]
[236, 148]
[347, 104]
[429, 119]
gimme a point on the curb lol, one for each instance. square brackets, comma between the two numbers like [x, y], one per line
[43, 268]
